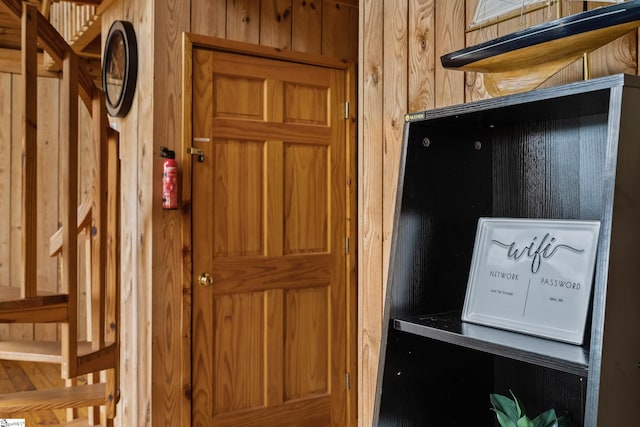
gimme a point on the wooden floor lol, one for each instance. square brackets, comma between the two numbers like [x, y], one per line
[26, 376]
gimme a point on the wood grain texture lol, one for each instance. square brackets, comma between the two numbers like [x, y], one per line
[239, 378]
[404, 54]
[276, 24]
[29, 151]
[307, 26]
[618, 56]
[161, 258]
[370, 201]
[47, 221]
[306, 337]
[135, 343]
[17, 332]
[243, 21]
[163, 252]
[5, 187]
[339, 30]
[24, 376]
[209, 17]
[201, 331]
[421, 40]
[69, 204]
[306, 213]
[449, 37]
[238, 165]
[37, 400]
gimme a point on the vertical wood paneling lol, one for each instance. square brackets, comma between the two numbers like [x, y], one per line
[47, 207]
[307, 26]
[125, 409]
[163, 269]
[449, 29]
[18, 332]
[421, 55]
[243, 21]
[209, 17]
[474, 82]
[336, 18]
[138, 126]
[370, 207]
[275, 24]
[133, 302]
[5, 187]
[403, 50]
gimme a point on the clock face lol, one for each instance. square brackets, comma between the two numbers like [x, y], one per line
[115, 61]
[120, 68]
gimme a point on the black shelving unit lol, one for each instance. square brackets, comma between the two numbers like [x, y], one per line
[570, 152]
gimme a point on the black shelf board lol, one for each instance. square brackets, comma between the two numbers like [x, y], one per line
[448, 327]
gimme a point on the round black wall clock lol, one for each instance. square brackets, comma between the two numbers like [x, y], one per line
[120, 68]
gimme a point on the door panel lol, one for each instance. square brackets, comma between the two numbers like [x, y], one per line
[305, 199]
[239, 375]
[269, 226]
[237, 213]
[306, 336]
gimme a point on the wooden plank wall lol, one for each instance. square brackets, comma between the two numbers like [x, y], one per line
[400, 43]
[155, 365]
[137, 162]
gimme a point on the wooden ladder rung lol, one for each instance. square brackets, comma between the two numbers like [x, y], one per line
[55, 398]
[39, 309]
[37, 351]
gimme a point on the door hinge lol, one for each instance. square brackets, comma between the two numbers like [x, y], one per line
[346, 245]
[348, 381]
[346, 110]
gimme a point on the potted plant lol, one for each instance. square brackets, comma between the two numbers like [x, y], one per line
[511, 413]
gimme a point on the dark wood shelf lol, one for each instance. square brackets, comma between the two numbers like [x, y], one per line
[448, 327]
[568, 153]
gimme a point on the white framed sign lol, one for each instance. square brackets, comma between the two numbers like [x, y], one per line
[532, 276]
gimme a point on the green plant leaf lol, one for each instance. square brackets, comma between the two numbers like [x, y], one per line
[519, 406]
[546, 419]
[503, 419]
[525, 422]
[505, 405]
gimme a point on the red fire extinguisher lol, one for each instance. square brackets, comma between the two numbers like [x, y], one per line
[169, 179]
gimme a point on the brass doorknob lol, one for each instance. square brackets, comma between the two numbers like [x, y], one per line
[205, 279]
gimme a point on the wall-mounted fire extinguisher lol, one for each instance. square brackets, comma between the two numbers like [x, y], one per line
[169, 179]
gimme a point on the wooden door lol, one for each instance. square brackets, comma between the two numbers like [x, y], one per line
[269, 227]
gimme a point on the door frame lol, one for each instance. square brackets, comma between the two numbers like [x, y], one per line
[191, 41]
